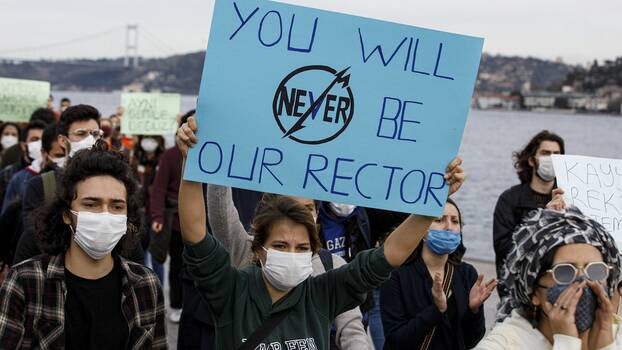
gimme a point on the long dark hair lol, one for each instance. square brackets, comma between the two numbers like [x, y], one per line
[138, 149]
[521, 158]
[458, 254]
[53, 234]
[4, 126]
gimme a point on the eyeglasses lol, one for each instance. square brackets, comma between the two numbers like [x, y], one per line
[567, 273]
[82, 133]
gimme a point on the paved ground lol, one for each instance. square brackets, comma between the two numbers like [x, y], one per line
[487, 268]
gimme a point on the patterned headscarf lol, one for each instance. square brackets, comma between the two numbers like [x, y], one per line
[541, 231]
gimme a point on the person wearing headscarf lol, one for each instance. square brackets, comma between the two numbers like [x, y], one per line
[560, 274]
[435, 300]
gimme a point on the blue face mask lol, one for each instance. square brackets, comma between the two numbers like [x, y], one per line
[442, 242]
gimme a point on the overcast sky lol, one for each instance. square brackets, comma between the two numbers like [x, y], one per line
[575, 30]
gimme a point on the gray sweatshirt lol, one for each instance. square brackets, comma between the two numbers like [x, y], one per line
[227, 228]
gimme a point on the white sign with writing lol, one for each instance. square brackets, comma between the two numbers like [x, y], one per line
[593, 185]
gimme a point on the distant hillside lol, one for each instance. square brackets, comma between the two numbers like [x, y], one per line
[509, 73]
[182, 73]
[598, 76]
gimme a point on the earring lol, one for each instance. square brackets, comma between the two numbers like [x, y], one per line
[534, 312]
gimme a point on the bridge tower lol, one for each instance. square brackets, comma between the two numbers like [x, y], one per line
[131, 45]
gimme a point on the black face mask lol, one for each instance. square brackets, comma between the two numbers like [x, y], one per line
[107, 131]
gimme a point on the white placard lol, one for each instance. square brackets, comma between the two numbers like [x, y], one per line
[593, 185]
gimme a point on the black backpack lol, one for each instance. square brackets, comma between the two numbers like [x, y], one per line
[12, 223]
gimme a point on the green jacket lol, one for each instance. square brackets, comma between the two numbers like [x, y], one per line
[240, 301]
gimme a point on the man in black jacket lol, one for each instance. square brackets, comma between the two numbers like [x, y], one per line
[32, 133]
[534, 168]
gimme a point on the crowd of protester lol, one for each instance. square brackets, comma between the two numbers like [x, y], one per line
[90, 217]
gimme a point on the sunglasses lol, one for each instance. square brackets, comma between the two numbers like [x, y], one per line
[567, 273]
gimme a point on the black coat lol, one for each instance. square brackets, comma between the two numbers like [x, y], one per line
[409, 313]
[512, 206]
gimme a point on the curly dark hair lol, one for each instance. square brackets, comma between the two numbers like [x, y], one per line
[521, 158]
[273, 207]
[53, 234]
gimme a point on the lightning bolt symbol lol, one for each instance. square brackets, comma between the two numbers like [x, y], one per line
[340, 77]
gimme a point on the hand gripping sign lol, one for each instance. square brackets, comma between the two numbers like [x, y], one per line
[330, 106]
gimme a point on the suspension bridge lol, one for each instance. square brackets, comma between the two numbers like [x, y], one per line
[129, 52]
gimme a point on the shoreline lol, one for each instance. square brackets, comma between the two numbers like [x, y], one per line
[564, 112]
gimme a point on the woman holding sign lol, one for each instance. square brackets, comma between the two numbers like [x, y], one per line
[435, 301]
[275, 304]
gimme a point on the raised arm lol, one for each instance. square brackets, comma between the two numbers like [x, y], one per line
[191, 202]
[207, 262]
[226, 225]
[223, 216]
[345, 287]
[191, 211]
[402, 242]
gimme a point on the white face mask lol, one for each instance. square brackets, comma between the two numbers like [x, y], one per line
[34, 150]
[148, 144]
[8, 141]
[98, 233]
[545, 169]
[342, 210]
[36, 165]
[85, 143]
[60, 162]
[285, 270]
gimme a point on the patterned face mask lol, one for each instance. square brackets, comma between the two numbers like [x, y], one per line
[542, 231]
[586, 307]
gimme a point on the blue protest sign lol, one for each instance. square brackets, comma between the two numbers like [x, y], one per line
[330, 106]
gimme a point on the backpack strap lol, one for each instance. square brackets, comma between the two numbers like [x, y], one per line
[449, 273]
[362, 221]
[264, 330]
[327, 259]
[49, 186]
